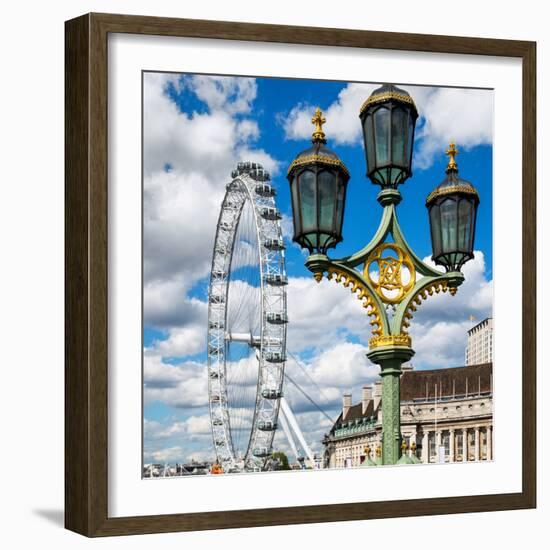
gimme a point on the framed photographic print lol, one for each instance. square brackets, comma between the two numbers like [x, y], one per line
[299, 282]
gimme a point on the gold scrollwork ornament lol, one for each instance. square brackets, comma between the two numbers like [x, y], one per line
[390, 286]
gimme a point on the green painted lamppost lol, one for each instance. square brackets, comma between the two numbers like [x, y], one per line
[386, 275]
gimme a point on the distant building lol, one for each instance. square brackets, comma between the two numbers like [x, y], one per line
[480, 343]
[446, 413]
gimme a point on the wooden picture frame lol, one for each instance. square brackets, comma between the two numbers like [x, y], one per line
[86, 283]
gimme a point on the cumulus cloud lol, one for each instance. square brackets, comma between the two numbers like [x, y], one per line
[188, 158]
[188, 340]
[342, 127]
[463, 115]
[182, 385]
[439, 327]
[451, 114]
[321, 313]
[230, 94]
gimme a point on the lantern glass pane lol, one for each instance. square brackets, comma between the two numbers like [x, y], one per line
[340, 207]
[296, 206]
[399, 129]
[465, 219]
[449, 225]
[382, 135]
[326, 182]
[395, 176]
[435, 228]
[410, 139]
[368, 134]
[308, 201]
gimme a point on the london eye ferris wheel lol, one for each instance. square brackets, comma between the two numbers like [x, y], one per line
[247, 319]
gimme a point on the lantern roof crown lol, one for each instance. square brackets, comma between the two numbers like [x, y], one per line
[386, 93]
[453, 183]
[318, 153]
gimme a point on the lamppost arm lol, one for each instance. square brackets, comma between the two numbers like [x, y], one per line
[344, 270]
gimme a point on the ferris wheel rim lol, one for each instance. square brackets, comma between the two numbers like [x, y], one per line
[272, 352]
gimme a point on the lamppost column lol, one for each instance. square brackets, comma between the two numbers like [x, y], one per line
[390, 359]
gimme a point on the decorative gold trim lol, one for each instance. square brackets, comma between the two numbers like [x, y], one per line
[423, 294]
[317, 158]
[390, 340]
[452, 151]
[358, 288]
[379, 98]
[460, 188]
[390, 272]
[318, 120]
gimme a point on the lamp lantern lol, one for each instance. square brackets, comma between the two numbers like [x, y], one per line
[318, 181]
[452, 208]
[388, 118]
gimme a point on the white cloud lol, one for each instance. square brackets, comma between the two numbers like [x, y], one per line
[474, 297]
[183, 385]
[198, 425]
[321, 313]
[451, 114]
[462, 115]
[187, 340]
[343, 365]
[168, 455]
[181, 204]
[223, 93]
[342, 127]
[439, 327]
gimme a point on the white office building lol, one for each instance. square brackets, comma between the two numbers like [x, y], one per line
[479, 349]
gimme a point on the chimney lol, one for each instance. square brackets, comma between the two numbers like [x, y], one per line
[367, 396]
[406, 367]
[346, 404]
[377, 393]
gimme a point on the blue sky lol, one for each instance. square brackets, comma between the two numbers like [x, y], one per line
[195, 130]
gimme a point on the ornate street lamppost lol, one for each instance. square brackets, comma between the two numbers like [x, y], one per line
[386, 275]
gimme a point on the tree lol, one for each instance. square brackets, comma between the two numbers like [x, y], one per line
[282, 460]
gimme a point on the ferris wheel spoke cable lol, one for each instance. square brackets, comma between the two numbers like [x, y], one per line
[304, 370]
[310, 399]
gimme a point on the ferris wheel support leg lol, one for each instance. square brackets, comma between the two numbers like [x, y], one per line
[288, 435]
[289, 416]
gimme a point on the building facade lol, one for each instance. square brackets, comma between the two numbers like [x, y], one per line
[446, 416]
[479, 349]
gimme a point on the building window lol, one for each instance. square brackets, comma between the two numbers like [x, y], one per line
[483, 443]
[431, 447]
[459, 444]
[471, 445]
[445, 441]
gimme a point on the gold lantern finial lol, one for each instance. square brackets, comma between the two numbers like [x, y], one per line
[318, 120]
[452, 151]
